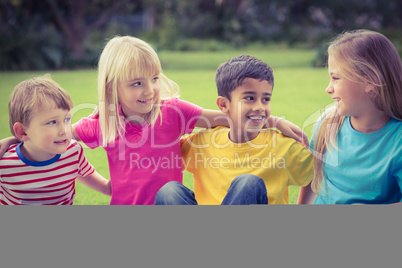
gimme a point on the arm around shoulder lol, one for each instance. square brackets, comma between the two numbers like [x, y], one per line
[97, 182]
[212, 118]
[74, 133]
[5, 143]
[215, 118]
[288, 129]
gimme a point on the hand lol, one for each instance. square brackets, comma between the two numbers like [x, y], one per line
[290, 130]
[97, 182]
[6, 143]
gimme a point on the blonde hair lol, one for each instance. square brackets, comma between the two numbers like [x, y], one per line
[122, 59]
[30, 95]
[369, 58]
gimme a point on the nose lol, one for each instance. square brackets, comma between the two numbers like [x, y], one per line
[149, 89]
[62, 129]
[329, 89]
[259, 106]
[65, 128]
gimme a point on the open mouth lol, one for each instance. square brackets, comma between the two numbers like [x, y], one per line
[145, 101]
[257, 118]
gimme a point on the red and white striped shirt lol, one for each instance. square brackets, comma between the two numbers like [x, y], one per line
[52, 182]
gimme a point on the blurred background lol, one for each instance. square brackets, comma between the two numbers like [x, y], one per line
[60, 34]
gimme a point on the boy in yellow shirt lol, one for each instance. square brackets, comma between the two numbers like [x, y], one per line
[243, 164]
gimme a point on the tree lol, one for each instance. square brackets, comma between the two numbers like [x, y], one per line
[77, 18]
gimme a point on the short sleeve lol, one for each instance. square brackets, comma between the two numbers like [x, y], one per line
[185, 147]
[317, 126]
[84, 167]
[315, 130]
[88, 130]
[397, 173]
[397, 163]
[300, 163]
[188, 114]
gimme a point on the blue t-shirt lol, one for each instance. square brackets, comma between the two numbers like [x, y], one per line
[366, 168]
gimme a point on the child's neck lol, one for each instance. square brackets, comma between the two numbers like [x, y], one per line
[135, 119]
[33, 155]
[369, 123]
[241, 136]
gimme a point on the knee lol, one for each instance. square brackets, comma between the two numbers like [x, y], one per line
[169, 188]
[167, 191]
[249, 180]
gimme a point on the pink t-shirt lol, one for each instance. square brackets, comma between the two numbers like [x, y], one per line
[146, 157]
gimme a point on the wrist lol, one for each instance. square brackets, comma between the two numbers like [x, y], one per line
[273, 121]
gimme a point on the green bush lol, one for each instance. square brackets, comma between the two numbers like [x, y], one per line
[27, 49]
[320, 59]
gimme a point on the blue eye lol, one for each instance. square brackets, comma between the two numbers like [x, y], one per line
[136, 84]
[155, 79]
[67, 120]
[52, 122]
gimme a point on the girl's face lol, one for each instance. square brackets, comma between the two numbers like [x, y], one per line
[351, 97]
[138, 96]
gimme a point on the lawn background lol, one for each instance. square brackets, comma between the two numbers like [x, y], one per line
[298, 95]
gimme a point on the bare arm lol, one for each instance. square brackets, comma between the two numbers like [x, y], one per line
[288, 129]
[306, 195]
[5, 143]
[74, 133]
[214, 118]
[97, 182]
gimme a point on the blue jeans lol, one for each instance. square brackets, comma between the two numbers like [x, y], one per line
[245, 189]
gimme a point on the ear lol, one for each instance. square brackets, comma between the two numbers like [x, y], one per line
[19, 130]
[223, 104]
[109, 89]
[369, 88]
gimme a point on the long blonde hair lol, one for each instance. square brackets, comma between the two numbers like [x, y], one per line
[122, 59]
[367, 57]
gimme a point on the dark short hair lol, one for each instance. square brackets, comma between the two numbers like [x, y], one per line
[231, 74]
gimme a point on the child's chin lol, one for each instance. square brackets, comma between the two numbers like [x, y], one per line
[61, 149]
[254, 130]
[255, 127]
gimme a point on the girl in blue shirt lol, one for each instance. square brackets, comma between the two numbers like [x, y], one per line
[358, 143]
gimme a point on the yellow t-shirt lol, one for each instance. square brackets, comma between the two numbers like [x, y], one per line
[215, 161]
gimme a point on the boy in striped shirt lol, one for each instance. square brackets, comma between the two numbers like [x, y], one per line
[43, 167]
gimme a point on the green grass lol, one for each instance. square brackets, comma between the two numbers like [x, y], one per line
[298, 94]
[276, 58]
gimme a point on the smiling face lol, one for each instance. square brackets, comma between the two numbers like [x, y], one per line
[351, 97]
[46, 134]
[248, 109]
[138, 96]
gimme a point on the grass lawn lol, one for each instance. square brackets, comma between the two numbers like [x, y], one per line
[298, 95]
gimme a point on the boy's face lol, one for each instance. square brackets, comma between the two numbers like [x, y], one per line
[47, 133]
[249, 109]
